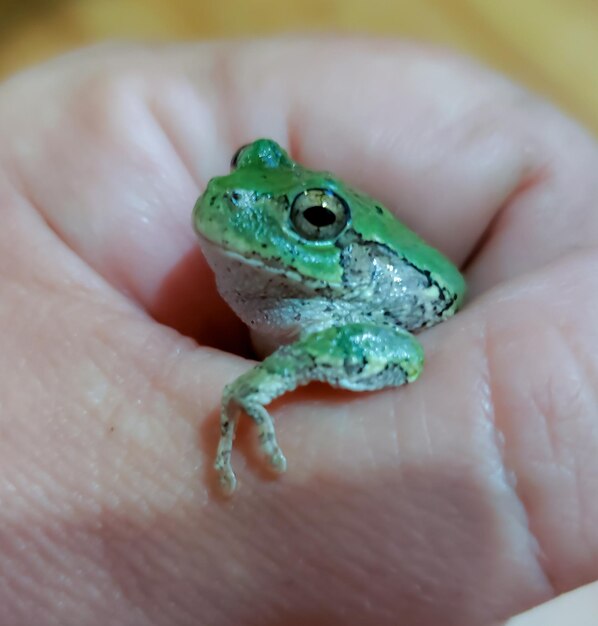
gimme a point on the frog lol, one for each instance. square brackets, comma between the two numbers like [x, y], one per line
[332, 286]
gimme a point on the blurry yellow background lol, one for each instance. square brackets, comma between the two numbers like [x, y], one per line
[550, 45]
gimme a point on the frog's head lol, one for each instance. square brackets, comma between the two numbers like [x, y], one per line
[273, 211]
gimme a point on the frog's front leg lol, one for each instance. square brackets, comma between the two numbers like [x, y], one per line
[356, 356]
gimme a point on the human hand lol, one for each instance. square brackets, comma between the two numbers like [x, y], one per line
[461, 499]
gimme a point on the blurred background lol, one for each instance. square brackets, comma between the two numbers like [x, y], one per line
[549, 45]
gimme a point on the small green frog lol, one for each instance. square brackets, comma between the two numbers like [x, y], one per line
[330, 283]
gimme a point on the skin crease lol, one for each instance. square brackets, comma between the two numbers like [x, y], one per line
[462, 499]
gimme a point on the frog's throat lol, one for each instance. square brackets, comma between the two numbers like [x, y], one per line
[214, 252]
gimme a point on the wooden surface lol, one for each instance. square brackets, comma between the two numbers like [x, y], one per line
[550, 45]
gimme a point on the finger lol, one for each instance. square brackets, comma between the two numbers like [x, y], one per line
[100, 169]
[134, 134]
[539, 374]
[576, 608]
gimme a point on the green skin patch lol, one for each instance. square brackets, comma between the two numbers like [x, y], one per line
[329, 281]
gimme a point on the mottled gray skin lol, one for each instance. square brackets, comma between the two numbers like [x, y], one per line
[330, 283]
[377, 286]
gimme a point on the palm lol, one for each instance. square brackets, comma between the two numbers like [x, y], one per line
[400, 505]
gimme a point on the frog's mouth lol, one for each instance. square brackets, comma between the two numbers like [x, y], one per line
[222, 259]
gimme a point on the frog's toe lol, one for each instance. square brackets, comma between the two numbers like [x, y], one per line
[269, 445]
[226, 476]
[228, 483]
[278, 460]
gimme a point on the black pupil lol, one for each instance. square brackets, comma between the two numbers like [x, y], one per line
[319, 216]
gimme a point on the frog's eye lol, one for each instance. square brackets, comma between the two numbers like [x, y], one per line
[236, 155]
[319, 214]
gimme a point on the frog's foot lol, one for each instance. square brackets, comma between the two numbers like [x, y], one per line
[231, 406]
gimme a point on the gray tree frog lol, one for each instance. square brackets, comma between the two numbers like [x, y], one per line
[330, 283]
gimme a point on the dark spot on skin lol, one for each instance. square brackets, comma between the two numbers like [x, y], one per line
[379, 210]
[266, 437]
